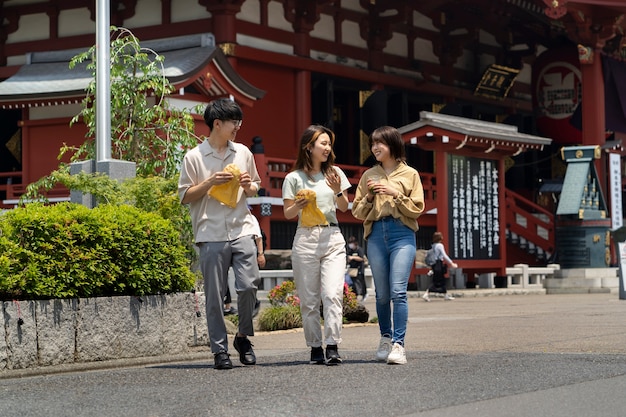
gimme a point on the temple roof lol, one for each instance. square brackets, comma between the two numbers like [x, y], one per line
[460, 132]
[47, 79]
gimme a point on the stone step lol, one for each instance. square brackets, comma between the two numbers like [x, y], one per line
[586, 273]
[583, 281]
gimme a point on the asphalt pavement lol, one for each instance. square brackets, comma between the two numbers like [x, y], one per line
[488, 356]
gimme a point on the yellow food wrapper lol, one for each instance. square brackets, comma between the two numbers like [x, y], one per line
[311, 215]
[228, 192]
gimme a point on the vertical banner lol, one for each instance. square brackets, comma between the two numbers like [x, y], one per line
[474, 213]
[621, 251]
[615, 178]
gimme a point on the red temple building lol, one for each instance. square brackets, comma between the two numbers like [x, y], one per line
[472, 84]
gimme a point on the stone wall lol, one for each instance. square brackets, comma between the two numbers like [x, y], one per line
[53, 332]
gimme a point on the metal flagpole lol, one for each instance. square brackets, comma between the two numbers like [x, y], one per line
[103, 85]
[118, 170]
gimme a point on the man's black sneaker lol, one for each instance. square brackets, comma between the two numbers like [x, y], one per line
[230, 311]
[244, 347]
[317, 355]
[332, 355]
[222, 361]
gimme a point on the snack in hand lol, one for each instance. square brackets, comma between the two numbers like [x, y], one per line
[228, 192]
[233, 169]
[375, 179]
[306, 195]
[311, 214]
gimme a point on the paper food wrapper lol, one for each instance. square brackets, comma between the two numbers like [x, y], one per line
[228, 192]
[311, 214]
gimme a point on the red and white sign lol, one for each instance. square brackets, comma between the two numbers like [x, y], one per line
[557, 88]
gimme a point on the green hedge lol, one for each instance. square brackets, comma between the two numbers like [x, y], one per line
[67, 250]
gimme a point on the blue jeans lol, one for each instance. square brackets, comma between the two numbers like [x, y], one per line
[391, 252]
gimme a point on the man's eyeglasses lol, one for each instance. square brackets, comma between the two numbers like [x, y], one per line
[236, 123]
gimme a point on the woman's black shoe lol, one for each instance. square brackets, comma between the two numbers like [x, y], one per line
[317, 355]
[332, 355]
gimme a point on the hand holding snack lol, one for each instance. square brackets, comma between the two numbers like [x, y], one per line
[303, 197]
[222, 177]
[307, 195]
[245, 180]
[372, 182]
[226, 190]
[311, 214]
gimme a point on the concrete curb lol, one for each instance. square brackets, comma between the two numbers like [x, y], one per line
[196, 347]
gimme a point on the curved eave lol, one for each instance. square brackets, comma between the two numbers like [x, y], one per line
[455, 133]
[218, 78]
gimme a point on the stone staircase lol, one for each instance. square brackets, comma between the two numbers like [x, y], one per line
[583, 281]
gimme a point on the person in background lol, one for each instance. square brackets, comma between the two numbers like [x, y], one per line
[389, 199]
[225, 235]
[259, 238]
[228, 308]
[356, 261]
[439, 272]
[319, 252]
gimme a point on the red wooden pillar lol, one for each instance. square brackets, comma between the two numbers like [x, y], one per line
[264, 222]
[442, 201]
[27, 175]
[261, 166]
[303, 102]
[224, 19]
[593, 114]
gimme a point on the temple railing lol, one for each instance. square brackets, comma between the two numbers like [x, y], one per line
[529, 225]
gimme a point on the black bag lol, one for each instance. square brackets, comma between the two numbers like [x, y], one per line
[440, 268]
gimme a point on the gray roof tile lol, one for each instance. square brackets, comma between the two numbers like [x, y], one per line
[47, 76]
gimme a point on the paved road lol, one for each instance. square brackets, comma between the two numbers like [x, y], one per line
[518, 355]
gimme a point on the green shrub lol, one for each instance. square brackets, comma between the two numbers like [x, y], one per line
[233, 318]
[17, 266]
[67, 250]
[280, 318]
[152, 194]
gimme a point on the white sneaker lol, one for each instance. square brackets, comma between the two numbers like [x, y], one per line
[396, 356]
[384, 347]
[448, 297]
[426, 297]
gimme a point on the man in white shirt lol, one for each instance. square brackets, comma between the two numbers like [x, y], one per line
[225, 235]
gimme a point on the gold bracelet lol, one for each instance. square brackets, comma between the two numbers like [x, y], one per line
[260, 253]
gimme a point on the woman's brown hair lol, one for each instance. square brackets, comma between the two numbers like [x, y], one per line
[437, 237]
[392, 138]
[309, 136]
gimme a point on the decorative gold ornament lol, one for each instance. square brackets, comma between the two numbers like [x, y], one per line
[228, 48]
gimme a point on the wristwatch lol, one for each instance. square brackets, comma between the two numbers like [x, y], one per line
[339, 194]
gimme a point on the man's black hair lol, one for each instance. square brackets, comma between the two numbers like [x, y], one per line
[222, 109]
